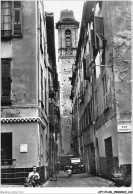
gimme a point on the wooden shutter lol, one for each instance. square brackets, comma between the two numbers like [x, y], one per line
[98, 24]
[17, 19]
[84, 67]
[92, 37]
[98, 28]
[41, 85]
[6, 82]
[87, 68]
[17, 4]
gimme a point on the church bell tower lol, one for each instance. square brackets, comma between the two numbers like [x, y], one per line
[67, 28]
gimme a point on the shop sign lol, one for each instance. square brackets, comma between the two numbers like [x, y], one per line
[124, 128]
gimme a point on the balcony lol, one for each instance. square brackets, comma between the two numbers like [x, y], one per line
[7, 162]
[6, 34]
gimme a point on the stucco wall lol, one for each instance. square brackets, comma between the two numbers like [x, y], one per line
[122, 71]
[23, 133]
[19, 112]
[117, 29]
[23, 53]
[125, 149]
[108, 130]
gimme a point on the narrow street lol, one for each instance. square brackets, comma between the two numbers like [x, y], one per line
[78, 180]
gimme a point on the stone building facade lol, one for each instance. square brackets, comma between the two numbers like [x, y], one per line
[67, 28]
[54, 112]
[25, 62]
[101, 89]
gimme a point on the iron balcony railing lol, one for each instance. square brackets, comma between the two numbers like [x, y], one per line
[6, 34]
[5, 162]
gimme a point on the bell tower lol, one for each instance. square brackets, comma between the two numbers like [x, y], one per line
[67, 28]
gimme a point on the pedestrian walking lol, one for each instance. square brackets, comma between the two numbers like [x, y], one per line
[69, 171]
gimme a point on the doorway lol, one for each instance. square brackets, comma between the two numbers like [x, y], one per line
[6, 147]
[109, 155]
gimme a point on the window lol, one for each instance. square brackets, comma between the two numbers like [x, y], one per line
[92, 37]
[104, 81]
[41, 35]
[42, 87]
[96, 103]
[6, 25]
[68, 38]
[85, 69]
[45, 82]
[17, 19]
[6, 82]
[11, 19]
[98, 31]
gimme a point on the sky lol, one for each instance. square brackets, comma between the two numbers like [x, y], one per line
[57, 6]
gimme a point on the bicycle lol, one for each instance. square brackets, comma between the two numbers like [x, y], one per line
[31, 182]
[52, 175]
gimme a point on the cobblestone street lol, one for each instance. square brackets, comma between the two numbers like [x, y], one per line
[78, 180]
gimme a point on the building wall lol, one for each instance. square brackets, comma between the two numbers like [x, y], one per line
[19, 136]
[117, 30]
[122, 70]
[27, 61]
[104, 132]
[117, 68]
[23, 54]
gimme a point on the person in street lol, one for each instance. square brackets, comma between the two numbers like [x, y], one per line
[34, 176]
[69, 171]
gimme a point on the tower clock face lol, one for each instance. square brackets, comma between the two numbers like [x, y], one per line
[69, 52]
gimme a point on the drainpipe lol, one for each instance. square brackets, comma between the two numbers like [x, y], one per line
[93, 105]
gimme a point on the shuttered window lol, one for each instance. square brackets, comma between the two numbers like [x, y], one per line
[98, 32]
[87, 67]
[45, 85]
[92, 37]
[105, 92]
[6, 82]
[42, 85]
[17, 19]
[96, 103]
[11, 19]
[17, 4]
